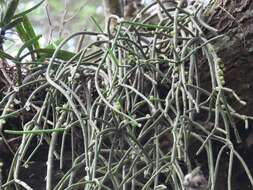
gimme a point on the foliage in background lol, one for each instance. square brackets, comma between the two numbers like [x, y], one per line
[60, 18]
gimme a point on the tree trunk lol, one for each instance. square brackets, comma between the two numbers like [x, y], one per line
[234, 18]
[113, 7]
[121, 8]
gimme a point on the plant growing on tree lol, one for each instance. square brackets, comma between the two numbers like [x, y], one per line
[106, 111]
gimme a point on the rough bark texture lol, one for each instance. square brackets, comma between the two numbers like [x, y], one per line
[234, 18]
[131, 8]
[113, 7]
[121, 8]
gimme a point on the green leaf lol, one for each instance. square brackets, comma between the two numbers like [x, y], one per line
[13, 23]
[28, 44]
[54, 44]
[30, 31]
[21, 32]
[3, 6]
[12, 6]
[96, 23]
[62, 54]
[113, 57]
[27, 35]
[23, 35]
[48, 53]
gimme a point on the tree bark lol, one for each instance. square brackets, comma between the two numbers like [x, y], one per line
[234, 18]
[113, 7]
